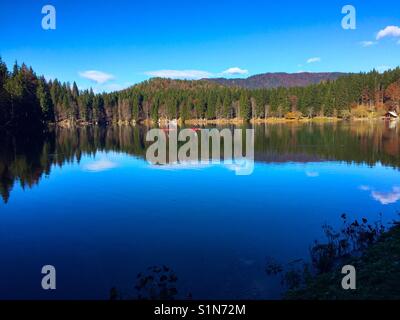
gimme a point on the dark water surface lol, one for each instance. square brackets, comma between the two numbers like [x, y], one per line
[86, 201]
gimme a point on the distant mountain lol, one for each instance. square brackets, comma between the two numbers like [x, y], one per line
[275, 80]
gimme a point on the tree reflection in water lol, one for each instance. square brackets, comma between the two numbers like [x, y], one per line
[26, 157]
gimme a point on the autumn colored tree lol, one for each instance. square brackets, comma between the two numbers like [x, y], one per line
[392, 96]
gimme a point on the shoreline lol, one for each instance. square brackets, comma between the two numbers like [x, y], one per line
[377, 266]
[203, 122]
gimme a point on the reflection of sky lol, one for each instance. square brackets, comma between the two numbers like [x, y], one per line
[205, 222]
[100, 165]
[242, 166]
[106, 161]
[312, 174]
[384, 190]
[384, 197]
[387, 197]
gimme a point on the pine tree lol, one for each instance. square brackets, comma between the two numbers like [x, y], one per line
[211, 105]
[46, 104]
[155, 108]
[4, 97]
[185, 111]
[245, 106]
[75, 90]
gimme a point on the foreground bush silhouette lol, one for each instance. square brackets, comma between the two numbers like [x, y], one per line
[370, 248]
[156, 283]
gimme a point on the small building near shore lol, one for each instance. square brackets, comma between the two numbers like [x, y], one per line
[392, 115]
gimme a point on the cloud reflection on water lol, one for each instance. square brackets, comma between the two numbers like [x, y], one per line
[100, 165]
[385, 198]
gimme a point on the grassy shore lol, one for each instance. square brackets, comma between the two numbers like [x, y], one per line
[285, 120]
[377, 274]
[218, 122]
[271, 120]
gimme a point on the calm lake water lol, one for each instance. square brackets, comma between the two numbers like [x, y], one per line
[86, 201]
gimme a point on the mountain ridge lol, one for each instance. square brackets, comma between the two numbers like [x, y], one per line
[278, 79]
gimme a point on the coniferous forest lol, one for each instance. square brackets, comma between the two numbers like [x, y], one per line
[29, 100]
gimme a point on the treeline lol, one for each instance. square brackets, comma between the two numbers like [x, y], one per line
[27, 99]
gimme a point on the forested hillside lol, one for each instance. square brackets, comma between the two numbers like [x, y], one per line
[280, 79]
[27, 99]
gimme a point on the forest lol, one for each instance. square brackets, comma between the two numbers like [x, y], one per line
[28, 100]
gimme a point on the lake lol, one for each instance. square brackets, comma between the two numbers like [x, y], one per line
[87, 202]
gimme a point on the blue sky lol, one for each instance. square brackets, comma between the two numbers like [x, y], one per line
[113, 44]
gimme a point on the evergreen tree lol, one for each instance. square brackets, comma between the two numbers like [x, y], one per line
[185, 111]
[46, 104]
[5, 115]
[245, 106]
[75, 91]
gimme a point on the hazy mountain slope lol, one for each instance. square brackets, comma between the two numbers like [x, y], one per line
[274, 80]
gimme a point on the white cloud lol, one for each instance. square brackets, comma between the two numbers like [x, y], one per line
[179, 74]
[367, 44]
[364, 188]
[386, 198]
[96, 76]
[313, 60]
[389, 31]
[194, 74]
[100, 165]
[382, 68]
[235, 71]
